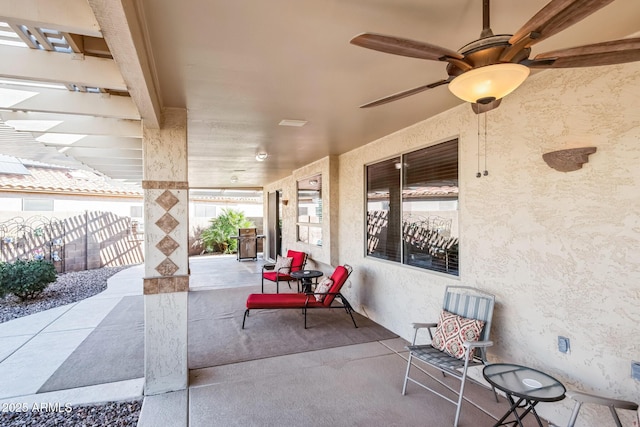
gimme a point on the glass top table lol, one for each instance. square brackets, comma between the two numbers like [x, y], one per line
[306, 277]
[528, 385]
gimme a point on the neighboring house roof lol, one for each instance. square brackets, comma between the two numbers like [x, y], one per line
[43, 178]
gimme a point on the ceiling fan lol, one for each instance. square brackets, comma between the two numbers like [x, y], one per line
[487, 69]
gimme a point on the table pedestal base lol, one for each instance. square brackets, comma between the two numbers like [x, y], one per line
[527, 405]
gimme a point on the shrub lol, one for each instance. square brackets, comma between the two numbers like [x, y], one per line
[26, 279]
[217, 238]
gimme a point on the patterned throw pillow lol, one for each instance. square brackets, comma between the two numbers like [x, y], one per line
[323, 287]
[453, 331]
[284, 263]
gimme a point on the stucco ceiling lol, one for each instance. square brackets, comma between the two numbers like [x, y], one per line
[240, 67]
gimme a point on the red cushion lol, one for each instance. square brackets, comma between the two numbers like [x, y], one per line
[276, 300]
[271, 275]
[339, 276]
[298, 259]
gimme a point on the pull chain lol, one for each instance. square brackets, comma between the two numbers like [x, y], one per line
[486, 172]
[478, 175]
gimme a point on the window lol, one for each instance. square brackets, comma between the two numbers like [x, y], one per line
[37, 204]
[202, 210]
[135, 211]
[412, 208]
[310, 210]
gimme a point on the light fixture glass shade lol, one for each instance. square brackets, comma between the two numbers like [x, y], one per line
[262, 156]
[492, 81]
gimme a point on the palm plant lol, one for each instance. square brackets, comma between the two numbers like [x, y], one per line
[218, 237]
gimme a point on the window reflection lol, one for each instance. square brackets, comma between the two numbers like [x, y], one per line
[310, 210]
[415, 223]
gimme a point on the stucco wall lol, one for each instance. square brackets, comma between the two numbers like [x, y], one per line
[561, 251]
[321, 257]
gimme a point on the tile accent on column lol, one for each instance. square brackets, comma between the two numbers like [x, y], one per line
[167, 200]
[163, 285]
[167, 223]
[167, 245]
[167, 267]
[159, 185]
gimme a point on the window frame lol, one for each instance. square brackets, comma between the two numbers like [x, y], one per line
[454, 271]
[317, 226]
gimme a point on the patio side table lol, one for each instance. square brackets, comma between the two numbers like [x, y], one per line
[527, 385]
[306, 277]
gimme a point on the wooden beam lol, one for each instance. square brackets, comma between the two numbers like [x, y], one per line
[43, 66]
[82, 125]
[46, 100]
[121, 28]
[102, 142]
[68, 16]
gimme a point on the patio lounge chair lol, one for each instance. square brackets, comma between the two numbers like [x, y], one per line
[461, 337]
[270, 273]
[305, 301]
[581, 398]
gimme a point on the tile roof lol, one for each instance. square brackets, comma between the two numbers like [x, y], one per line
[49, 179]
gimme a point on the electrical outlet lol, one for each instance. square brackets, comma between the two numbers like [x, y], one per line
[564, 344]
[635, 370]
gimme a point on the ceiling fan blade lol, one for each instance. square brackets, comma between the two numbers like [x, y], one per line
[556, 16]
[404, 47]
[606, 53]
[404, 94]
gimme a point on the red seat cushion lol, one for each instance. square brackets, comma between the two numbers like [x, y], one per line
[255, 301]
[276, 300]
[298, 259]
[271, 275]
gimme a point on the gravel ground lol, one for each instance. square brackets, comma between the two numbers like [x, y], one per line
[107, 414]
[68, 288]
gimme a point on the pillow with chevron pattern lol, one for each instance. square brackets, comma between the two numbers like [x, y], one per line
[453, 331]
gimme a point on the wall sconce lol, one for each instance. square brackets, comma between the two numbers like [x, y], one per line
[285, 202]
[262, 156]
[568, 160]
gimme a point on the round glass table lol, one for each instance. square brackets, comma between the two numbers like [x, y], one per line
[525, 388]
[306, 277]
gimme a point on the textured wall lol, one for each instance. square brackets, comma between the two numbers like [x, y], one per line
[318, 255]
[561, 251]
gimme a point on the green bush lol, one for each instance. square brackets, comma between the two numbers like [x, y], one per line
[217, 238]
[26, 279]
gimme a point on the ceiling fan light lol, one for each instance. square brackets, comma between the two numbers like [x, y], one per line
[492, 81]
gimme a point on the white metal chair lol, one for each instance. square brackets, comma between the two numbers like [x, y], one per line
[612, 404]
[467, 302]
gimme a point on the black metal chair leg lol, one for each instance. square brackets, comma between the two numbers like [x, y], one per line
[246, 313]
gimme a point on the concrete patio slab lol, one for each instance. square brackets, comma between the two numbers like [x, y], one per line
[169, 409]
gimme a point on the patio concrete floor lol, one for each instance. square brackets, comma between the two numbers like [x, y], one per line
[352, 385]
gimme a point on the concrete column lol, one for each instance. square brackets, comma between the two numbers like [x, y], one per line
[166, 281]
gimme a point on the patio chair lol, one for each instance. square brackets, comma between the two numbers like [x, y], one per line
[281, 274]
[460, 339]
[315, 299]
[612, 404]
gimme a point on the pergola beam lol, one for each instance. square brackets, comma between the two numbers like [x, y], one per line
[47, 66]
[82, 125]
[90, 154]
[70, 16]
[47, 100]
[111, 143]
[121, 29]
